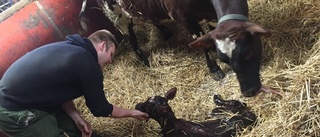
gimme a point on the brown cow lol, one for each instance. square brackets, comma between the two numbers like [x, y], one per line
[236, 39]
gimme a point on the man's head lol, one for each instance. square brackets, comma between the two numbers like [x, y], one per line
[105, 44]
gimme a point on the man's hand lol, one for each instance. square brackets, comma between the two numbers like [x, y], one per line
[82, 124]
[84, 127]
[121, 113]
[139, 115]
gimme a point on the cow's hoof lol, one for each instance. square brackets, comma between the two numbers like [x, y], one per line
[144, 59]
[146, 62]
[219, 75]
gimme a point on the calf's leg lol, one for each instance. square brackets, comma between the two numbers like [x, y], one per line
[229, 104]
[240, 118]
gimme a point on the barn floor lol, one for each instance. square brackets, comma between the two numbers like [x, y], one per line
[291, 64]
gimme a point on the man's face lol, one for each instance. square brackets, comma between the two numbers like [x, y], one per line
[105, 56]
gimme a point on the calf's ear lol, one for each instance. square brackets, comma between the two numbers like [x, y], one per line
[203, 42]
[171, 93]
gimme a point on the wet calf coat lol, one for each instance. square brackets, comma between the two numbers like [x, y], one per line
[158, 109]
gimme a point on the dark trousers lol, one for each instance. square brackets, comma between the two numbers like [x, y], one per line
[36, 123]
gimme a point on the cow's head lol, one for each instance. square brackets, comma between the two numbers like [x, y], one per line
[157, 106]
[238, 44]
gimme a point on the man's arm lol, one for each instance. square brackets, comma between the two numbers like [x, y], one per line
[82, 124]
[122, 113]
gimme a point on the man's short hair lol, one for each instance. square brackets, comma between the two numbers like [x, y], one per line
[103, 35]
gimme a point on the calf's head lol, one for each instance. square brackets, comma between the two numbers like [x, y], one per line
[157, 106]
[238, 44]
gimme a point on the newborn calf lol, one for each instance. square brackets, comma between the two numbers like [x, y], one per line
[158, 109]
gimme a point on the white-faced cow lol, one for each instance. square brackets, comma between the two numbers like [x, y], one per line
[221, 123]
[235, 39]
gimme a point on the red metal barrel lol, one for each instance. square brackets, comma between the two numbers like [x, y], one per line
[46, 21]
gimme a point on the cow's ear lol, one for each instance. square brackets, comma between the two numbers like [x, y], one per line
[257, 30]
[171, 93]
[203, 42]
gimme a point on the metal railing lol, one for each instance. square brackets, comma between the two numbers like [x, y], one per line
[9, 7]
[5, 4]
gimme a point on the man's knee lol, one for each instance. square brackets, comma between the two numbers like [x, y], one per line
[29, 123]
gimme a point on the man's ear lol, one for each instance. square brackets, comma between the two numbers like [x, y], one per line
[103, 46]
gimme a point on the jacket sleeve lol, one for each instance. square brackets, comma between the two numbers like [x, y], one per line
[90, 80]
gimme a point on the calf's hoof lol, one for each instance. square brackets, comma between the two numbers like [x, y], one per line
[218, 75]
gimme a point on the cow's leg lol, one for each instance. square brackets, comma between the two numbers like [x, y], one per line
[133, 41]
[195, 29]
[214, 69]
[167, 33]
[83, 21]
[83, 7]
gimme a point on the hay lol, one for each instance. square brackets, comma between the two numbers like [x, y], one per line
[291, 63]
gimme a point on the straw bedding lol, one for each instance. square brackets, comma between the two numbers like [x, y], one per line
[290, 63]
